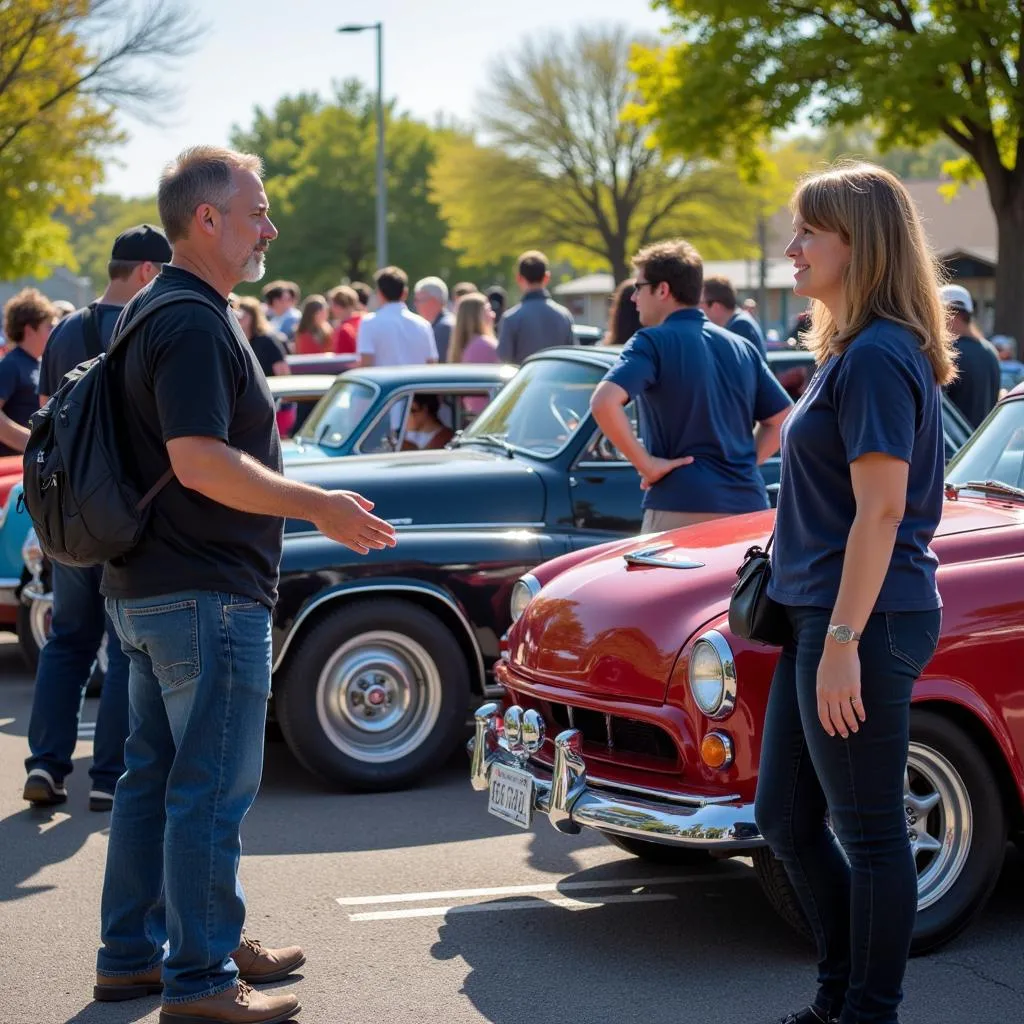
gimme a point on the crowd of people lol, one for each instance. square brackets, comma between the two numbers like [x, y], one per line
[188, 610]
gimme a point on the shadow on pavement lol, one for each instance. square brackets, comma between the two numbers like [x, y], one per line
[607, 962]
[36, 838]
[297, 813]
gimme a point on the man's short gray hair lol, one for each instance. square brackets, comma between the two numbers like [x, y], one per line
[434, 287]
[201, 174]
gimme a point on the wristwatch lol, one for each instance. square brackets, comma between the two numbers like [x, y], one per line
[843, 634]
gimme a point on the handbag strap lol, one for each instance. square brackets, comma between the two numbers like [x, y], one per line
[768, 546]
[91, 331]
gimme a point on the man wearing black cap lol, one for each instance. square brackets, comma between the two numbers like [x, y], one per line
[79, 619]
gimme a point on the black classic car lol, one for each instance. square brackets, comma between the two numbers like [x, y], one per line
[379, 658]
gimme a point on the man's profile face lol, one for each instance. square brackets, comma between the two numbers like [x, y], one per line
[427, 305]
[246, 228]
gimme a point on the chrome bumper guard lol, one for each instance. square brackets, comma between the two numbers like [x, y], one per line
[33, 591]
[572, 804]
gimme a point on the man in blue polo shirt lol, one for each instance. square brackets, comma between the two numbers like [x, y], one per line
[720, 307]
[699, 389]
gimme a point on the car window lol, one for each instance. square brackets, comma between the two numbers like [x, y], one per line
[794, 370]
[339, 414]
[540, 409]
[387, 431]
[601, 450]
[995, 451]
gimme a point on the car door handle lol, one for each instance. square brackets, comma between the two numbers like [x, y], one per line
[573, 482]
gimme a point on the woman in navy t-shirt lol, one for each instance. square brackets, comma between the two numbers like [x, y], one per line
[860, 497]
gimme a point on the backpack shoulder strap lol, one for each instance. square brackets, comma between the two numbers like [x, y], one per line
[124, 330]
[177, 296]
[91, 331]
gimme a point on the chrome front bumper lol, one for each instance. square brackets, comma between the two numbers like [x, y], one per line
[573, 803]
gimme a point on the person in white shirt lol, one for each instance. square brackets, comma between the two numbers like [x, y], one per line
[394, 335]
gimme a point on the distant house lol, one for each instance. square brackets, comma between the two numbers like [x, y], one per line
[962, 233]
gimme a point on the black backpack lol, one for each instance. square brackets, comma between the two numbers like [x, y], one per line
[86, 508]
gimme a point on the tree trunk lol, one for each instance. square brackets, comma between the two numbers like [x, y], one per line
[617, 258]
[1009, 318]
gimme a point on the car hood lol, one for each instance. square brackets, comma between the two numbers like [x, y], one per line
[614, 624]
[457, 487]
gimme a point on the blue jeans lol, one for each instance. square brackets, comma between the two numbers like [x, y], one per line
[856, 880]
[65, 664]
[199, 685]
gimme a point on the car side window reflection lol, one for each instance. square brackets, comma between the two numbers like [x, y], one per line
[601, 448]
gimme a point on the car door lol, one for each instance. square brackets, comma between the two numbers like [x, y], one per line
[604, 490]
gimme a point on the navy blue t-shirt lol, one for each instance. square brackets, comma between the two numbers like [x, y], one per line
[699, 390]
[879, 395]
[19, 375]
[743, 324]
[66, 347]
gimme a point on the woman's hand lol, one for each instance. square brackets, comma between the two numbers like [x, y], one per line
[839, 705]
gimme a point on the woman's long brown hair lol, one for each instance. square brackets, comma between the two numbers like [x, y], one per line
[892, 272]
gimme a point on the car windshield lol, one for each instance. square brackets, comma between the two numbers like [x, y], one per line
[338, 414]
[540, 409]
[995, 451]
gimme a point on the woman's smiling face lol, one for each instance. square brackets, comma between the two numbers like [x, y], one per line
[820, 259]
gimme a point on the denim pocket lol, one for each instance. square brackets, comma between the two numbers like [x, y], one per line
[169, 634]
[913, 636]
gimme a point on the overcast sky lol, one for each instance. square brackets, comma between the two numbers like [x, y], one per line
[436, 55]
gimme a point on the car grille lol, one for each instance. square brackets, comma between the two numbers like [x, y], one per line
[616, 734]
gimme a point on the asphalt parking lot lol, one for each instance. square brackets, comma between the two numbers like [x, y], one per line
[417, 906]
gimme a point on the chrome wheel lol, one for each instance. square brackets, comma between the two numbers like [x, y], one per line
[378, 696]
[940, 822]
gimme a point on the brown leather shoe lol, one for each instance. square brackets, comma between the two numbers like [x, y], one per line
[128, 986]
[258, 965]
[238, 1005]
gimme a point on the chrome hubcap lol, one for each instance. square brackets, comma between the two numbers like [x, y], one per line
[40, 619]
[378, 696]
[940, 822]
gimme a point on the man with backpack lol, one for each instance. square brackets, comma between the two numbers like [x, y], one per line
[191, 600]
[79, 619]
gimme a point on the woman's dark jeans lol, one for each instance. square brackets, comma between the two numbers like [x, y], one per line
[858, 883]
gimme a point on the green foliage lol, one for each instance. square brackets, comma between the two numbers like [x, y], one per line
[914, 69]
[320, 158]
[563, 170]
[63, 64]
[92, 234]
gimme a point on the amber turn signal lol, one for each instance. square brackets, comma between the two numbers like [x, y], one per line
[716, 750]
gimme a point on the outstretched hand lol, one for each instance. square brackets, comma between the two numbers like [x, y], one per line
[346, 518]
[657, 468]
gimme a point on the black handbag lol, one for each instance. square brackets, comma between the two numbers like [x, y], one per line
[753, 615]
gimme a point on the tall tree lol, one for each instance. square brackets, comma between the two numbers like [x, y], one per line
[559, 166]
[320, 158]
[918, 69]
[64, 66]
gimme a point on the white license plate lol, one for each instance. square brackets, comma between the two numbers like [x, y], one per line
[511, 795]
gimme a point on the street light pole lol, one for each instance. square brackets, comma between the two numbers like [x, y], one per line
[382, 186]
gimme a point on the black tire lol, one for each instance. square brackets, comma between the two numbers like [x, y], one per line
[660, 853]
[393, 644]
[954, 883]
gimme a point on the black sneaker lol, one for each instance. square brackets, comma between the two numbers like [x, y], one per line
[99, 800]
[43, 790]
[808, 1016]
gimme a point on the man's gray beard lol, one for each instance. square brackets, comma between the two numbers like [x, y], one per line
[255, 267]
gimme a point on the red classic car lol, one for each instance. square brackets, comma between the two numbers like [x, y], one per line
[632, 710]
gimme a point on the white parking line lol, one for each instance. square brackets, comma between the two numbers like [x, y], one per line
[538, 904]
[519, 890]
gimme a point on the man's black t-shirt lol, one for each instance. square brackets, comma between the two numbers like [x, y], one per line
[976, 390]
[269, 350]
[187, 373]
[19, 377]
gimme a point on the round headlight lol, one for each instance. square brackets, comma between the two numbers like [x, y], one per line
[712, 673]
[525, 590]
